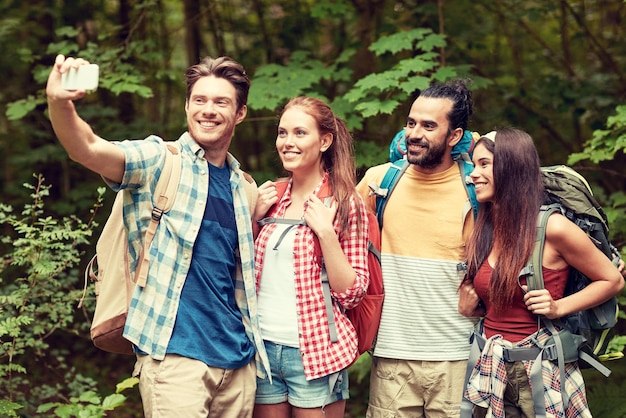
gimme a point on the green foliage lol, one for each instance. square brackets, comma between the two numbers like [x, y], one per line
[117, 75]
[274, 85]
[380, 93]
[376, 94]
[8, 408]
[369, 154]
[89, 404]
[329, 8]
[605, 143]
[359, 374]
[617, 344]
[360, 370]
[20, 108]
[37, 303]
[553, 68]
[420, 38]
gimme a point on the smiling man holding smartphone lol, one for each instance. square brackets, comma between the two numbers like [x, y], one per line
[195, 354]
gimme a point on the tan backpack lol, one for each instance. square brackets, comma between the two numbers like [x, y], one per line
[109, 268]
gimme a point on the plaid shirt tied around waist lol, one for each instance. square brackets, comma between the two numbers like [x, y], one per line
[489, 379]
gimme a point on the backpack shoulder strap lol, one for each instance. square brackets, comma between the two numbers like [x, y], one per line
[465, 167]
[167, 184]
[165, 193]
[250, 188]
[386, 187]
[534, 280]
[533, 271]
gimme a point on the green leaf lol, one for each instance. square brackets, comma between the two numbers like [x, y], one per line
[431, 42]
[413, 84]
[419, 64]
[20, 108]
[8, 408]
[113, 401]
[444, 73]
[399, 41]
[375, 107]
[90, 397]
[126, 384]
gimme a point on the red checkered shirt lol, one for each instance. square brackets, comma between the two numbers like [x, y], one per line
[320, 357]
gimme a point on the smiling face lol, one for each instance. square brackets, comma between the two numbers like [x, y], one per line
[300, 143]
[212, 114]
[482, 175]
[428, 135]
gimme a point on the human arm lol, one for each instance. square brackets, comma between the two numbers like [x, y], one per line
[566, 244]
[345, 260]
[76, 136]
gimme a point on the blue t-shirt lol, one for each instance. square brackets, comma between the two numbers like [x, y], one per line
[209, 325]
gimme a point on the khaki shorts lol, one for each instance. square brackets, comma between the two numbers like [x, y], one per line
[415, 388]
[182, 387]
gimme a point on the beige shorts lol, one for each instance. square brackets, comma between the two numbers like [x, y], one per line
[415, 388]
[182, 387]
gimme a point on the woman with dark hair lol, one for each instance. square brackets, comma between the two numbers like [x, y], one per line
[308, 369]
[507, 177]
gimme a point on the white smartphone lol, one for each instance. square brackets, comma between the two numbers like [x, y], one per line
[84, 77]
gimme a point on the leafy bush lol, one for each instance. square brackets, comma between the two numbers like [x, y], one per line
[38, 298]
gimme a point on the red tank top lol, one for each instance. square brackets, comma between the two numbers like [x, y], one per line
[516, 322]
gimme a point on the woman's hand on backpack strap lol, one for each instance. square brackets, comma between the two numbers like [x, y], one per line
[540, 302]
[320, 217]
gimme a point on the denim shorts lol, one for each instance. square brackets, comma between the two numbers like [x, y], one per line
[290, 385]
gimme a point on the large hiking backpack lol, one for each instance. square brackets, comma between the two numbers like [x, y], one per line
[461, 153]
[365, 317]
[109, 269]
[569, 193]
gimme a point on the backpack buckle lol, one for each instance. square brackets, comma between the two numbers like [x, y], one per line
[550, 352]
[375, 190]
[157, 213]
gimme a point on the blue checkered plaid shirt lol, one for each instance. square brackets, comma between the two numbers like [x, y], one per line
[153, 309]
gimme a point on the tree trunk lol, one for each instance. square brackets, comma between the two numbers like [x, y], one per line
[193, 39]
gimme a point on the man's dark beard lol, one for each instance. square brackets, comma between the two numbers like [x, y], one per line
[431, 159]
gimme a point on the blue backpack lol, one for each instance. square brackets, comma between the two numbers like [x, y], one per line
[461, 153]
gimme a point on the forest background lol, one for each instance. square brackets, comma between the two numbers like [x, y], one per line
[555, 68]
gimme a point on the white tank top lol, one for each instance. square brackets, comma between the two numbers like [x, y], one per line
[277, 292]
